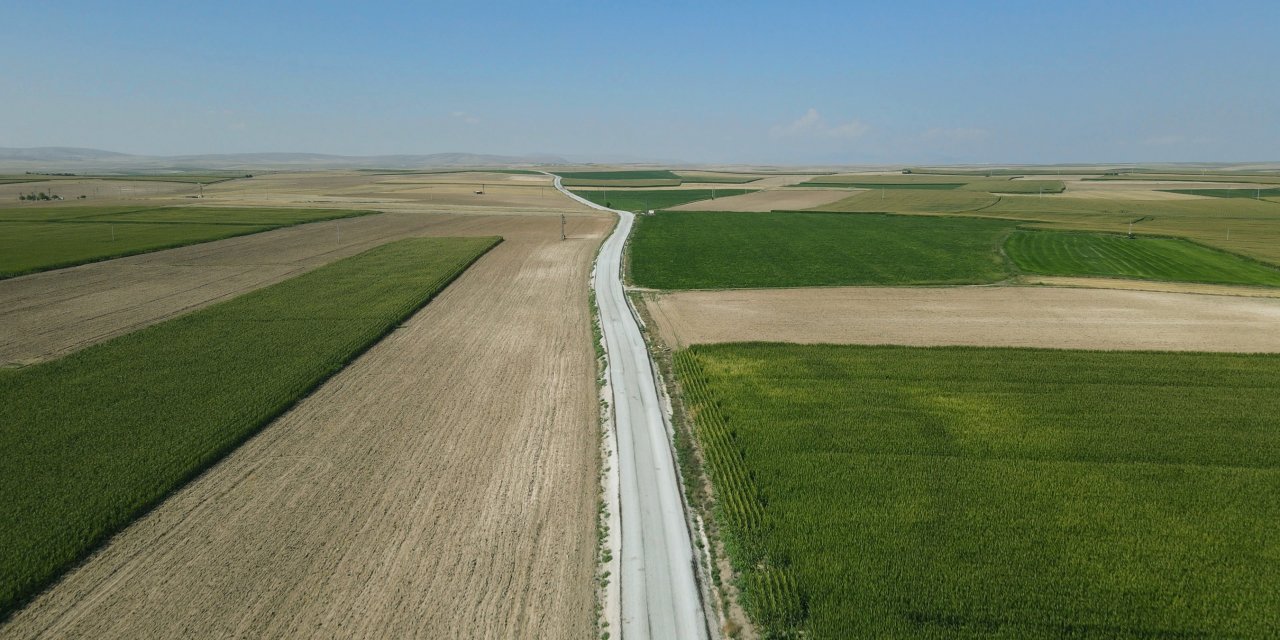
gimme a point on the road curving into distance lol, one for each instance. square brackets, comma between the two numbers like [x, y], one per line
[659, 592]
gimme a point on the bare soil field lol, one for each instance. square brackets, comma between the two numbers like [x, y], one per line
[95, 191]
[50, 314]
[387, 192]
[443, 485]
[1068, 318]
[773, 199]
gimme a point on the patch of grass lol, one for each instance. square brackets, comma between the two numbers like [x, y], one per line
[1097, 254]
[1229, 193]
[37, 238]
[695, 250]
[869, 492]
[644, 200]
[95, 439]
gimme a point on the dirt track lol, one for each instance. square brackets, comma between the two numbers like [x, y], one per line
[443, 485]
[985, 316]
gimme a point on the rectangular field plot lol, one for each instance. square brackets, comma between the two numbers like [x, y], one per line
[640, 178]
[898, 492]
[92, 440]
[646, 199]
[37, 238]
[1096, 254]
[716, 250]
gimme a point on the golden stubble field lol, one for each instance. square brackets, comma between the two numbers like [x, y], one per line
[442, 485]
[1017, 316]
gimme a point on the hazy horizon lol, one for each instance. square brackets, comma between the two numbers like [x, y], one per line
[810, 84]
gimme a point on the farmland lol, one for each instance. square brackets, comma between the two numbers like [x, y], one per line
[1097, 254]
[912, 201]
[697, 250]
[37, 238]
[964, 492]
[937, 182]
[1230, 193]
[103, 434]
[644, 178]
[713, 178]
[644, 200]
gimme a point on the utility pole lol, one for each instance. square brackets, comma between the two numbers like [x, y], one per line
[339, 225]
[562, 226]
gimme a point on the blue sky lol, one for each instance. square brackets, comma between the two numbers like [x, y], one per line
[750, 82]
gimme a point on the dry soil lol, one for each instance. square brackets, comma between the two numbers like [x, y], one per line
[1069, 318]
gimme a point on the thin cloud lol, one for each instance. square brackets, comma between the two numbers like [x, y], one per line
[813, 125]
[465, 117]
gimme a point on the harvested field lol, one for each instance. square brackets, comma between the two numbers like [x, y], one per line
[771, 200]
[442, 485]
[50, 314]
[1065, 318]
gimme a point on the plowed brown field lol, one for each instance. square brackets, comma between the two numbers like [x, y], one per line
[442, 485]
[1067, 318]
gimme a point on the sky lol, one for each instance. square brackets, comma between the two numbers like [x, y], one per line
[741, 82]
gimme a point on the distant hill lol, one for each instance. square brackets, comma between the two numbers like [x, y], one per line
[74, 159]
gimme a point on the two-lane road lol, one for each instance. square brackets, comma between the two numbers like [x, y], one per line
[659, 592]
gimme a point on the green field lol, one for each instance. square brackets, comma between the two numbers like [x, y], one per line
[895, 492]
[38, 238]
[644, 200]
[94, 439]
[713, 250]
[1229, 193]
[647, 174]
[1239, 225]
[717, 178]
[642, 178]
[1195, 177]
[937, 182]
[1097, 254]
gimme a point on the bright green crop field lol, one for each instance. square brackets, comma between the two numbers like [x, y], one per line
[714, 250]
[646, 199]
[94, 439]
[899, 492]
[1098, 254]
[38, 238]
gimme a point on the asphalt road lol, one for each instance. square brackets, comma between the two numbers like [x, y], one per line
[659, 592]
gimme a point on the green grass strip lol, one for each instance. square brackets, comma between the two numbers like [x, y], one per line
[36, 238]
[93, 440]
[644, 200]
[1150, 258]
[960, 492]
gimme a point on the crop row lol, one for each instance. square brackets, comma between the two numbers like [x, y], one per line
[38, 238]
[967, 492]
[769, 592]
[94, 439]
